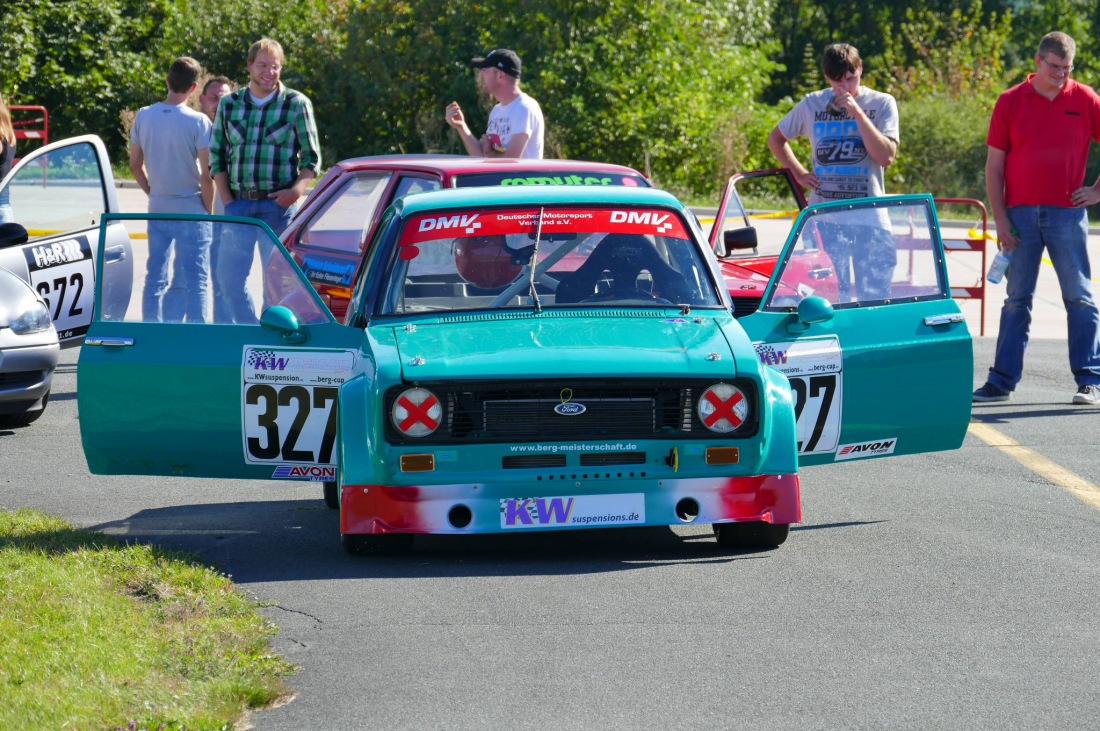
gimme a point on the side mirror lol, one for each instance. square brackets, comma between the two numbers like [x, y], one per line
[12, 234]
[281, 319]
[812, 309]
[739, 239]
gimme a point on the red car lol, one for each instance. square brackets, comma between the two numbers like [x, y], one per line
[328, 236]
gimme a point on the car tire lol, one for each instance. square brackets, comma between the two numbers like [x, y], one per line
[753, 535]
[377, 544]
[332, 496]
[27, 417]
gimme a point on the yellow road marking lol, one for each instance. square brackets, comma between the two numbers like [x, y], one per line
[1076, 485]
[39, 233]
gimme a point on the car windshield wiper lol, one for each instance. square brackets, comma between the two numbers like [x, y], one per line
[534, 263]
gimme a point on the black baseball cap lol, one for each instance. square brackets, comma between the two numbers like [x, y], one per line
[503, 59]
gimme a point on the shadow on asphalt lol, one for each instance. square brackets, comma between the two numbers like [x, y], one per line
[1006, 412]
[300, 539]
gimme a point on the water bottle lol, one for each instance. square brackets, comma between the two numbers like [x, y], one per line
[998, 267]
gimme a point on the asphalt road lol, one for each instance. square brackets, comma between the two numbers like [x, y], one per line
[949, 591]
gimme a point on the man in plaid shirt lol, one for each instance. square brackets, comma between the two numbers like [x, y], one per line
[263, 153]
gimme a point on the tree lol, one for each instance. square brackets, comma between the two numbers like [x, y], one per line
[643, 84]
[84, 61]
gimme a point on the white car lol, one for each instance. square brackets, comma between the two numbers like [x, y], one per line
[58, 194]
[29, 348]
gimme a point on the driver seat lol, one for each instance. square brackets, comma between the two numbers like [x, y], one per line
[620, 258]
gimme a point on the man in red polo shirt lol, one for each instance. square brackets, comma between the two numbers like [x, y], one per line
[1035, 171]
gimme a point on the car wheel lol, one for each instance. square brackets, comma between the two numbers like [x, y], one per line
[27, 417]
[332, 497]
[751, 535]
[377, 544]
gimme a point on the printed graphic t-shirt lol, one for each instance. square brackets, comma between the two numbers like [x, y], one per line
[841, 161]
[520, 115]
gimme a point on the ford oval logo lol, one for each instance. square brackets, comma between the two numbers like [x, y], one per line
[570, 409]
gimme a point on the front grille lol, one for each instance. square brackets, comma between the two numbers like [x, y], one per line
[602, 459]
[21, 379]
[528, 461]
[532, 411]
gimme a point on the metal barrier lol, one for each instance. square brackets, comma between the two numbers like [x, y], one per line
[975, 242]
[30, 122]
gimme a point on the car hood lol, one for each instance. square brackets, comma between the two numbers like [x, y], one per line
[748, 278]
[549, 345]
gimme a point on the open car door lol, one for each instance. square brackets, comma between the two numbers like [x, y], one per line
[858, 315]
[60, 193]
[254, 398]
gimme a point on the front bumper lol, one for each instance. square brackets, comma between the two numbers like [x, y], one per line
[565, 505]
[26, 373]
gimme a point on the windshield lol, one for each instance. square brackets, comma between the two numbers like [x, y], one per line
[582, 256]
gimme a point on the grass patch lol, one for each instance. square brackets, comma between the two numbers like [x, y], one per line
[102, 635]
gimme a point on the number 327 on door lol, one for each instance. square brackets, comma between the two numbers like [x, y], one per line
[288, 404]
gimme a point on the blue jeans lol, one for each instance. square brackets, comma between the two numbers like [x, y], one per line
[186, 296]
[237, 249]
[1064, 233]
[6, 214]
[870, 252]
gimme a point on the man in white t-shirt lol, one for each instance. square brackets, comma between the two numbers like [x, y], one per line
[853, 133]
[515, 124]
[170, 160]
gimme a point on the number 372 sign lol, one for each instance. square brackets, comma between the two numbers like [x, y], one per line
[288, 407]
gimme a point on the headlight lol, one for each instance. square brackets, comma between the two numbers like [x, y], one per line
[416, 412]
[33, 320]
[723, 408]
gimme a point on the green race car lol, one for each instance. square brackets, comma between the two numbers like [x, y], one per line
[542, 358]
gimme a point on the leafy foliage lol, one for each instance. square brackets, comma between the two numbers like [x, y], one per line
[957, 53]
[84, 61]
[684, 90]
[943, 147]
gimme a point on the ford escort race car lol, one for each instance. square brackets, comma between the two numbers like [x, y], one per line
[535, 358]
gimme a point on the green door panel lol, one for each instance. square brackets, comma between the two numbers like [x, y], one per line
[183, 399]
[253, 399]
[886, 374]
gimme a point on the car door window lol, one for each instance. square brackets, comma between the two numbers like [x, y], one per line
[761, 211]
[342, 225]
[171, 277]
[61, 190]
[855, 255]
[409, 184]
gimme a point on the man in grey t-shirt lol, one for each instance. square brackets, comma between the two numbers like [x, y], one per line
[170, 160]
[853, 133]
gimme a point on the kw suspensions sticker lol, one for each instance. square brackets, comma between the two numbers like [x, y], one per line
[289, 409]
[62, 273]
[814, 370]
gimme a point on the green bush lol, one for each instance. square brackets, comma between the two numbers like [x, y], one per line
[942, 149]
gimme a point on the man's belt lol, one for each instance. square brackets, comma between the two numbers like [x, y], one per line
[257, 195]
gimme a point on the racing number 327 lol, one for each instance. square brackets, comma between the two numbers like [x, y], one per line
[311, 433]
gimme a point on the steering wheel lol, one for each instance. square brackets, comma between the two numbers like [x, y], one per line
[625, 293]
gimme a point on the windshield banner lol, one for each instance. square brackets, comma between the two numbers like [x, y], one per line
[653, 221]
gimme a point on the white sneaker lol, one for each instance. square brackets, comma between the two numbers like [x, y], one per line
[1089, 395]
